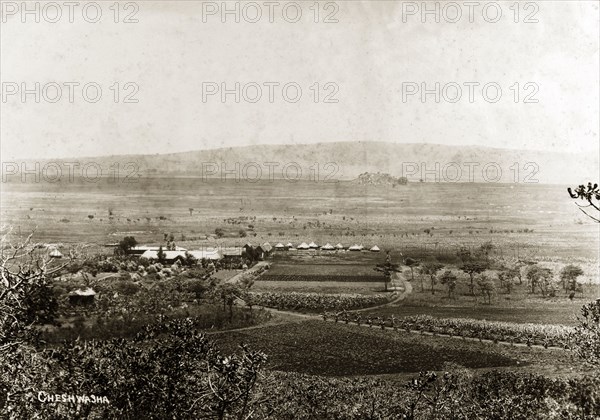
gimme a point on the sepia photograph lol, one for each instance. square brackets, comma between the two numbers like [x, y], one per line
[309, 209]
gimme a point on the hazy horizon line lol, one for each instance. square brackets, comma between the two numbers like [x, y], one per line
[300, 144]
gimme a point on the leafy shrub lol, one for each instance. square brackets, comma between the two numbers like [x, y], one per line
[127, 288]
[167, 368]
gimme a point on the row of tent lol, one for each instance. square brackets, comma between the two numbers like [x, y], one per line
[327, 247]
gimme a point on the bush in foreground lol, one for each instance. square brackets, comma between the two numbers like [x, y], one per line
[168, 371]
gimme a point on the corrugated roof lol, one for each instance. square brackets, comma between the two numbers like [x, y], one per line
[172, 255]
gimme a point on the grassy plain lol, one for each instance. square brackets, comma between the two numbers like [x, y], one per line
[426, 218]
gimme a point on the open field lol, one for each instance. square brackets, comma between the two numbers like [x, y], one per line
[523, 221]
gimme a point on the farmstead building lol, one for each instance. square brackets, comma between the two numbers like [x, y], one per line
[140, 250]
[172, 256]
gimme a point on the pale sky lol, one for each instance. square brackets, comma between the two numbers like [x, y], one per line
[370, 55]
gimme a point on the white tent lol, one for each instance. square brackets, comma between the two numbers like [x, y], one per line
[313, 245]
[355, 247]
[85, 292]
[303, 245]
[55, 253]
[339, 246]
[328, 247]
[279, 246]
[289, 245]
[375, 249]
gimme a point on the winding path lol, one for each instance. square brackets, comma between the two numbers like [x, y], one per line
[251, 270]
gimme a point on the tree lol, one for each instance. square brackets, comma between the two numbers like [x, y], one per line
[228, 293]
[568, 277]
[125, 245]
[161, 256]
[247, 281]
[219, 232]
[448, 278]
[190, 260]
[387, 269]
[26, 297]
[472, 263]
[411, 263]
[506, 277]
[26, 301]
[242, 233]
[486, 248]
[591, 195]
[539, 277]
[547, 285]
[421, 276]
[514, 271]
[431, 268]
[487, 286]
[191, 210]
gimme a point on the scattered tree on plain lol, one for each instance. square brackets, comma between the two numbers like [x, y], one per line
[472, 263]
[387, 269]
[411, 263]
[431, 268]
[539, 277]
[228, 293]
[568, 277]
[506, 277]
[448, 278]
[487, 287]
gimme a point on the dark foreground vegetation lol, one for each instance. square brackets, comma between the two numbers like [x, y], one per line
[449, 395]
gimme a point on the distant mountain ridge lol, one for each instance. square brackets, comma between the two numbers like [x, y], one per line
[347, 160]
